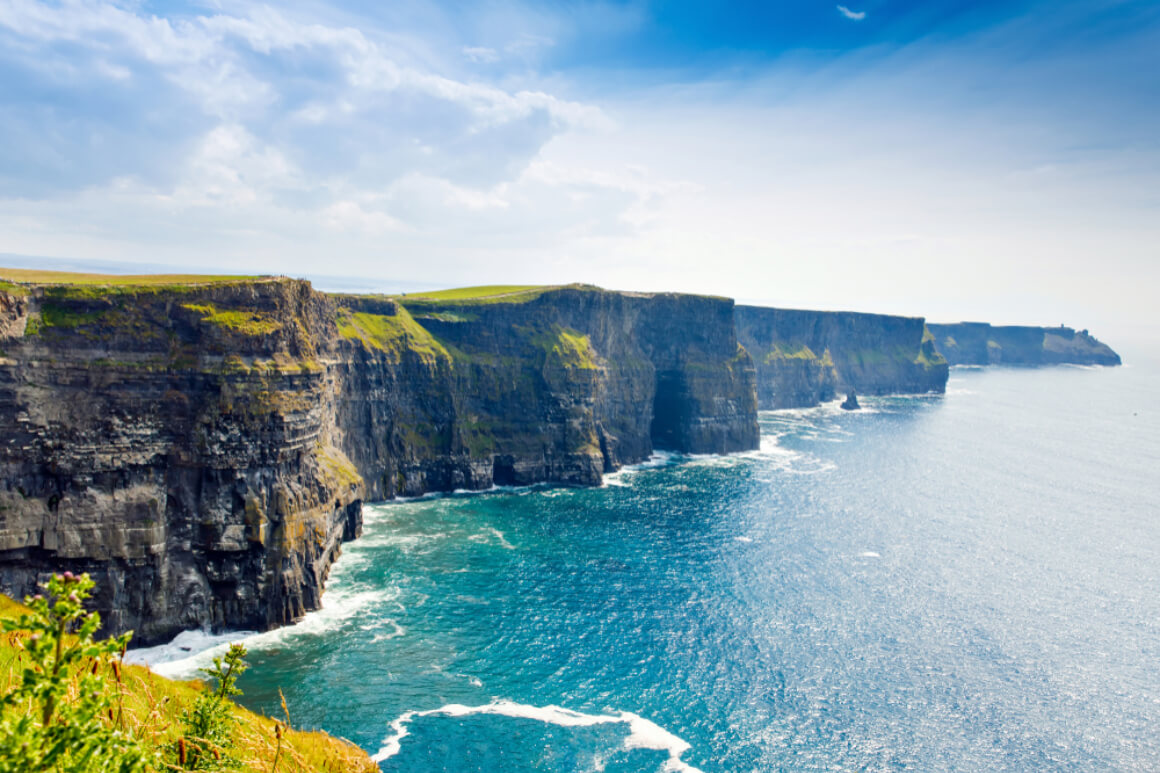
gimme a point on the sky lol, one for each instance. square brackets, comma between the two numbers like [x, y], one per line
[956, 160]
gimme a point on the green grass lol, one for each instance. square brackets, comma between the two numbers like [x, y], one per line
[391, 333]
[251, 323]
[568, 347]
[503, 293]
[787, 352]
[35, 276]
[152, 707]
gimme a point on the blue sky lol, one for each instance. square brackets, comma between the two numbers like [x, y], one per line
[985, 160]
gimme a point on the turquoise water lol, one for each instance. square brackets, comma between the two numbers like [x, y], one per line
[967, 582]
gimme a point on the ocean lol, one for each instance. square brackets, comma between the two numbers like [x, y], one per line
[968, 582]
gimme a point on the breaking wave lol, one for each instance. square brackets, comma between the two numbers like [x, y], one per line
[642, 733]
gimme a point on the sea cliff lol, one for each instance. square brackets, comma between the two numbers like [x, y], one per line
[204, 448]
[804, 357]
[978, 343]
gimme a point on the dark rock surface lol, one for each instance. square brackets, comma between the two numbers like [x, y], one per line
[804, 358]
[850, 403]
[203, 450]
[979, 343]
[183, 459]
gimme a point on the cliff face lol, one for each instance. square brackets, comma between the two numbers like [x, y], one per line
[978, 343]
[807, 357]
[560, 385]
[203, 450]
[177, 445]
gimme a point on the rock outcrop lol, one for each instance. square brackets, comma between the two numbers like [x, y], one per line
[804, 358]
[978, 343]
[177, 443]
[204, 449]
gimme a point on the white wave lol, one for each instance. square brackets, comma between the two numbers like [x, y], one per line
[173, 661]
[399, 500]
[743, 539]
[656, 459]
[488, 535]
[869, 554]
[187, 644]
[456, 494]
[643, 733]
[396, 632]
[405, 542]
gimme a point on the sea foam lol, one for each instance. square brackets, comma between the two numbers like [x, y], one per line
[643, 733]
[191, 651]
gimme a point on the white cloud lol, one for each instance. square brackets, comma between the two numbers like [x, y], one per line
[481, 54]
[273, 143]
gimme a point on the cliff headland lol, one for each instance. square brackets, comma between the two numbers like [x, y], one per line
[202, 445]
[978, 343]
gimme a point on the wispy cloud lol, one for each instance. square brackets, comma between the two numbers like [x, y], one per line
[855, 15]
[481, 54]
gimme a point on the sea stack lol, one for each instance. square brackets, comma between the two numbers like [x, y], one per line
[851, 402]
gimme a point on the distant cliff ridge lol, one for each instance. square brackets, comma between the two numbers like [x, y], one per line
[978, 343]
[204, 448]
[807, 357]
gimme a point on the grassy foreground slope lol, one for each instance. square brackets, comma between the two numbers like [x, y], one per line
[153, 706]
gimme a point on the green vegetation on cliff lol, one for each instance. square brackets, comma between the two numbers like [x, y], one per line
[68, 703]
[564, 346]
[789, 352]
[392, 334]
[246, 322]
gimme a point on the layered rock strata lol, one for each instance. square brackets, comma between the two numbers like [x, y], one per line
[804, 358]
[176, 443]
[204, 449]
[979, 343]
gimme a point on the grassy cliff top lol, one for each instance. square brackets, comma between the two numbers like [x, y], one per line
[480, 294]
[488, 294]
[35, 276]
